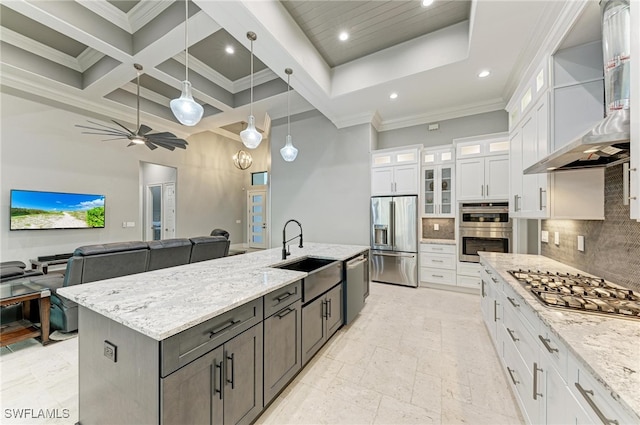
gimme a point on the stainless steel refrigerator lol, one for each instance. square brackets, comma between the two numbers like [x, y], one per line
[394, 240]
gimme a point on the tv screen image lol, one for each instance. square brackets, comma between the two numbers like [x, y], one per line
[54, 210]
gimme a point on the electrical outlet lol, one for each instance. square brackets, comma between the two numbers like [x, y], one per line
[556, 238]
[110, 351]
[581, 243]
[544, 236]
[238, 221]
[436, 226]
[131, 224]
[124, 224]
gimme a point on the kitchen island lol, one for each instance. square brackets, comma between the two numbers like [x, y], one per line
[185, 344]
[564, 365]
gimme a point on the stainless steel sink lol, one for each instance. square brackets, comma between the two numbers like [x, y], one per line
[323, 275]
[306, 265]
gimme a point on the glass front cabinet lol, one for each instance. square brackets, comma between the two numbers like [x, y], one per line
[438, 171]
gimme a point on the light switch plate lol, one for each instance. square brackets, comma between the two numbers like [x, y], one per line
[436, 226]
[544, 236]
[110, 351]
[556, 238]
[581, 243]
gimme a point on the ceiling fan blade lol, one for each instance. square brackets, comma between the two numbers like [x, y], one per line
[103, 125]
[105, 133]
[129, 131]
[117, 138]
[162, 145]
[151, 145]
[161, 142]
[144, 129]
[164, 134]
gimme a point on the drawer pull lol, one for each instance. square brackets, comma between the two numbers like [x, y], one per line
[546, 342]
[232, 381]
[220, 385]
[587, 394]
[482, 289]
[513, 302]
[284, 296]
[511, 335]
[495, 310]
[285, 313]
[437, 261]
[438, 275]
[229, 324]
[511, 375]
[494, 279]
[436, 249]
[535, 381]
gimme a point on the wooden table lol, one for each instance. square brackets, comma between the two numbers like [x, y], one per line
[23, 292]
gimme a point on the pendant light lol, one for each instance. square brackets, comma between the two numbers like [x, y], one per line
[250, 136]
[185, 109]
[242, 160]
[289, 152]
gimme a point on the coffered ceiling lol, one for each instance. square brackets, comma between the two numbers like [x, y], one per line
[80, 55]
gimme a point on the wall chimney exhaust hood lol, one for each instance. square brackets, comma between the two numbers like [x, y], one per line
[607, 143]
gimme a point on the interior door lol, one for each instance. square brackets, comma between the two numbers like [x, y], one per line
[257, 218]
[154, 213]
[168, 210]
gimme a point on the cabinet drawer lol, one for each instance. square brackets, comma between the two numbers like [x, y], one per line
[521, 308]
[469, 281]
[520, 378]
[282, 297]
[595, 399]
[438, 261]
[188, 345]
[554, 350]
[437, 248]
[469, 269]
[444, 277]
[519, 336]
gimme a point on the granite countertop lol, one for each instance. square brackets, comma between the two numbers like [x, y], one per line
[439, 241]
[608, 346]
[164, 302]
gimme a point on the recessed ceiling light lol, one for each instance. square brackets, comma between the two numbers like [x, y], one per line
[344, 36]
[230, 50]
[427, 3]
[483, 74]
[393, 96]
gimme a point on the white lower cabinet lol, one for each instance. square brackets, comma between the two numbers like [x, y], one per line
[550, 385]
[437, 264]
[468, 275]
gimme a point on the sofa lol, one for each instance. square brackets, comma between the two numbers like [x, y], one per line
[105, 261]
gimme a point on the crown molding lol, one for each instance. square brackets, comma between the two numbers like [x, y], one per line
[37, 48]
[147, 94]
[146, 11]
[444, 114]
[259, 77]
[108, 12]
[376, 121]
[88, 58]
[205, 70]
[356, 119]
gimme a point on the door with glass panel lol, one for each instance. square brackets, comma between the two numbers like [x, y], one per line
[257, 218]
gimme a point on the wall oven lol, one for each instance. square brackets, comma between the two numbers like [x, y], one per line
[484, 227]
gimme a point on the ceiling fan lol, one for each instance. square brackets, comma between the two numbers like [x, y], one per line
[141, 136]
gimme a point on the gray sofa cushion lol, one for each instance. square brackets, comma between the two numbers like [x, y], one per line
[109, 247]
[19, 264]
[209, 247]
[114, 264]
[168, 253]
[220, 232]
[9, 272]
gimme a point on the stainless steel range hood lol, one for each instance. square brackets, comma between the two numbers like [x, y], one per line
[608, 142]
[605, 145]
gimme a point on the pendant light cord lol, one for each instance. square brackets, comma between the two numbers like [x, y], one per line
[251, 105]
[288, 105]
[138, 100]
[186, 39]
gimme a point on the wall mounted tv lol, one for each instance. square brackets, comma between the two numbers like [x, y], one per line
[31, 210]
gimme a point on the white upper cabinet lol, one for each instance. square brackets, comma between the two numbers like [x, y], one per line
[482, 168]
[395, 171]
[438, 190]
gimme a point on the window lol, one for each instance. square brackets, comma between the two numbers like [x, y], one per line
[259, 179]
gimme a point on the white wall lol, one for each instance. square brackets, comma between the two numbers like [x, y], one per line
[327, 187]
[41, 149]
[472, 125]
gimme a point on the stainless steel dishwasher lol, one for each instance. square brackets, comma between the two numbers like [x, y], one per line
[356, 286]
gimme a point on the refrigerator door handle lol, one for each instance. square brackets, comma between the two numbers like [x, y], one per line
[390, 254]
[392, 219]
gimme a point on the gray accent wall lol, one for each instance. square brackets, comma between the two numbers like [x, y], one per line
[41, 149]
[472, 125]
[327, 187]
[612, 245]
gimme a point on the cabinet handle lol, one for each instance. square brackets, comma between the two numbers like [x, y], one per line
[494, 279]
[223, 328]
[511, 335]
[436, 248]
[325, 309]
[391, 187]
[487, 190]
[586, 394]
[535, 381]
[511, 375]
[285, 313]
[438, 275]
[233, 371]
[495, 310]
[626, 176]
[545, 342]
[481, 190]
[515, 203]
[513, 302]
[437, 261]
[329, 308]
[541, 192]
[220, 385]
[284, 296]
[482, 288]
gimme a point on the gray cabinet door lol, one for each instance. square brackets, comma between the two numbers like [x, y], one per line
[192, 394]
[334, 310]
[314, 329]
[282, 353]
[243, 377]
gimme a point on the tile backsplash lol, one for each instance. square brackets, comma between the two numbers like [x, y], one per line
[447, 228]
[612, 246]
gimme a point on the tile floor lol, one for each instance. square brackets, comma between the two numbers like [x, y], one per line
[413, 356]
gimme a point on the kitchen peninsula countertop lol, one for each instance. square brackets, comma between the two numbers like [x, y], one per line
[164, 302]
[608, 346]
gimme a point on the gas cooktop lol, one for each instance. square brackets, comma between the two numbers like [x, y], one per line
[580, 293]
